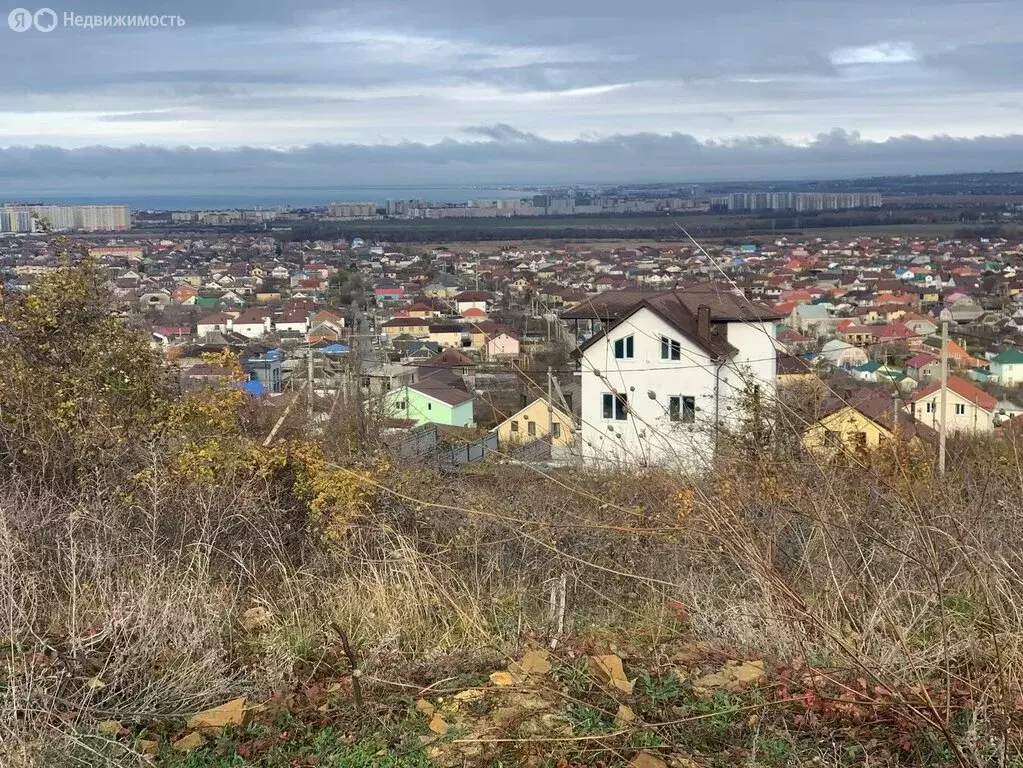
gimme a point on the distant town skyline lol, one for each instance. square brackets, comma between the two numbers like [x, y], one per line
[407, 92]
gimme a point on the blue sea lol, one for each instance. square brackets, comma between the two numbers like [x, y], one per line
[297, 198]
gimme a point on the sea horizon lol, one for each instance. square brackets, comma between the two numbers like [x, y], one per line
[296, 198]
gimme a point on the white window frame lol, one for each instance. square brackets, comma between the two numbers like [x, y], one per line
[683, 414]
[671, 349]
[628, 348]
[619, 410]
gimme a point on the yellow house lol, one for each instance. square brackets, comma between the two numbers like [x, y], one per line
[531, 423]
[861, 422]
[265, 296]
[795, 370]
[417, 327]
[845, 429]
[438, 291]
[446, 334]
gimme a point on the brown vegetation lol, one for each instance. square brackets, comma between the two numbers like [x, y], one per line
[859, 611]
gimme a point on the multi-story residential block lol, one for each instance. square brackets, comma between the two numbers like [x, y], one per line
[352, 210]
[86, 218]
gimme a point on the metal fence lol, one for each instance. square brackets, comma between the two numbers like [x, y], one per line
[470, 452]
[418, 443]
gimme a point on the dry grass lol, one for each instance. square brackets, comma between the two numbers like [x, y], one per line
[122, 607]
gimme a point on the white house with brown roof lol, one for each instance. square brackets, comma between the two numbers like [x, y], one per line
[253, 323]
[472, 300]
[672, 372]
[213, 323]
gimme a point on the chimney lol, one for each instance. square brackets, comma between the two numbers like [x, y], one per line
[703, 322]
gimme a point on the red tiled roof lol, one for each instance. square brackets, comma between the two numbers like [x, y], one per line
[326, 316]
[919, 361]
[964, 389]
[788, 334]
[895, 331]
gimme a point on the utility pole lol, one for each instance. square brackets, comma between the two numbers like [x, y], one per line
[309, 401]
[550, 406]
[944, 317]
[280, 421]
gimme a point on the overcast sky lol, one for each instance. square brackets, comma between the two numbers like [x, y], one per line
[313, 92]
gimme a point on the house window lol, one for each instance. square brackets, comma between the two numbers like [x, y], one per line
[930, 407]
[531, 428]
[860, 438]
[429, 406]
[670, 349]
[556, 430]
[515, 426]
[960, 409]
[402, 404]
[682, 408]
[615, 406]
[624, 348]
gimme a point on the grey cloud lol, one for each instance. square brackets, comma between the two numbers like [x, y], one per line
[508, 156]
[500, 133]
[638, 74]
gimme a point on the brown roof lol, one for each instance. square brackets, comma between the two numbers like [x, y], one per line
[294, 315]
[252, 315]
[450, 358]
[217, 318]
[792, 365]
[725, 305]
[610, 305]
[439, 389]
[405, 322]
[474, 296]
[878, 406]
[680, 309]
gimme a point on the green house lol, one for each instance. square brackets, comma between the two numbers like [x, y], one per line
[206, 301]
[1007, 367]
[431, 403]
